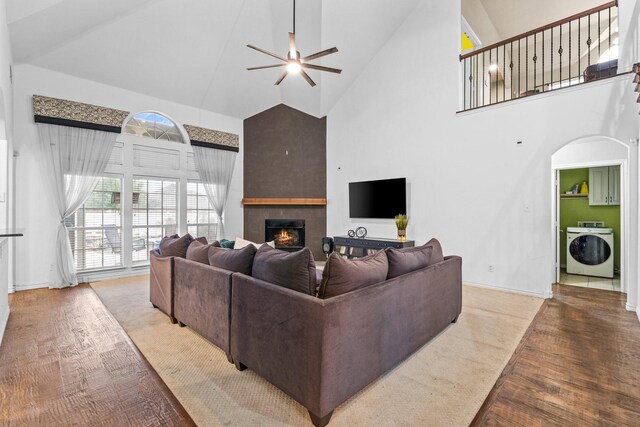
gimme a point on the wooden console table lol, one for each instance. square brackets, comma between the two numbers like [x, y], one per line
[354, 247]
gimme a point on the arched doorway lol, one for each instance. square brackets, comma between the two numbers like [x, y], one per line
[595, 153]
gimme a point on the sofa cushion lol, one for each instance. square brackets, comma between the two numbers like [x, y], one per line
[342, 275]
[241, 243]
[199, 252]
[238, 260]
[175, 245]
[436, 254]
[406, 260]
[293, 270]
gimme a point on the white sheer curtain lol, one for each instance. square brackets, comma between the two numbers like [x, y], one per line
[216, 169]
[74, 160]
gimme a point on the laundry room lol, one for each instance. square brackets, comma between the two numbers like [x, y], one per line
[589, 219]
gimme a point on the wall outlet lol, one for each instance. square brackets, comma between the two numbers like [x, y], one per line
[491, 268]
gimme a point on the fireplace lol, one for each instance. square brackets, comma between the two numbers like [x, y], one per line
[288, 234]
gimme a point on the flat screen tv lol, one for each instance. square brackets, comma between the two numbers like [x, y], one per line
[383, 198]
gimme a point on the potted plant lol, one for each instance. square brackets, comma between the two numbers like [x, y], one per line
[401, 224]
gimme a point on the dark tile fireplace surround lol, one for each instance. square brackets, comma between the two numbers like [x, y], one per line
[288, 234]
[285, 160]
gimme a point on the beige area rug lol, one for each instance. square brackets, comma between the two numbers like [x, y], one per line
[442, 384]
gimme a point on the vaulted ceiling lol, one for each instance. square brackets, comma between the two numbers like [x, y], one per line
[194, 51]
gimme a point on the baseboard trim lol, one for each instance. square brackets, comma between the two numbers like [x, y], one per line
[93, 277]
[630, 307]
[545, 295]
[114, 274]
[29, 287]
[3, 324]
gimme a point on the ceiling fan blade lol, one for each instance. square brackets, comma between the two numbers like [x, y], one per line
[320, 54]
[266, 66]
[320, 68]
[267, 53]
[292, 46]
[307, 78]
[281, 78]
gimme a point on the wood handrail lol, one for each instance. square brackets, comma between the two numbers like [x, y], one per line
[541, 29]
[274, 201]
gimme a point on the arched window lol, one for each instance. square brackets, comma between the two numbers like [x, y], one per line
[153, 125]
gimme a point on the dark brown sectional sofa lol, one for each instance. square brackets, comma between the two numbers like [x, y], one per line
[161, 282]
[318, 351]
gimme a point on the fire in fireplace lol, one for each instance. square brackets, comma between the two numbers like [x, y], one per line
[288, 234]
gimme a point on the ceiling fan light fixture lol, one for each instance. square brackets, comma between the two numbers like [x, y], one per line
[294, 62]
[293, 67]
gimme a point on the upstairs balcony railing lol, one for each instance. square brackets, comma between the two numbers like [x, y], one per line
[574, 50]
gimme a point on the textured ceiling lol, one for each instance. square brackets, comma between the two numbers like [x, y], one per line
[194, 51]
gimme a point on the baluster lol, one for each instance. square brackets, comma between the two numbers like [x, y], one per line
[519, 70]
[511, 68]
[477, 81]
[484, 67]
[471, 76]
[543, 87]
[504, 72]
[526, 66]
[490, 77]
[569, 53]
[497, 73]
[535, 60]
[579, 48]
[599, 36]
[589, 40]
[464, 82]
[609, 33]
[560, 53]
[551, 82]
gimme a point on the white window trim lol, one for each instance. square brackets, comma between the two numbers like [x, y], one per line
[115, 267]
[127, 171]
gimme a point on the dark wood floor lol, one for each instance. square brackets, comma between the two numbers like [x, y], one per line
[577, 365]
[65, 361]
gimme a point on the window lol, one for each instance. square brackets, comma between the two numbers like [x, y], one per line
[201, 218]
[95, 230]
[153, 125]
[155, 214]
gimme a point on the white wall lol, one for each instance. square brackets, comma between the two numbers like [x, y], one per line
[35, 209]
[471, 186]
[6, 109]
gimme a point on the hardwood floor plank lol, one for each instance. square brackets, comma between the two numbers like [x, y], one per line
[66, 361]
[577, 364]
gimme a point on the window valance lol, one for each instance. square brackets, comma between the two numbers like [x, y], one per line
[77, 114]
[210, 138]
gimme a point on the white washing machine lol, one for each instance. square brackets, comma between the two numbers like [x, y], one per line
[590, 251]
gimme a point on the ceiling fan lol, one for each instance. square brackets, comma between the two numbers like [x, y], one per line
[293, 62]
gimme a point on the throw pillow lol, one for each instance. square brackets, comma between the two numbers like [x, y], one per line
[402, 261]
[293, 270]
[227, 244]
[241, 243]
[239, 260]
[436, 253]
[342, 275]
[199, 252]
[175, 246]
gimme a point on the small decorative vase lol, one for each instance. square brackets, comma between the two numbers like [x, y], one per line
[402, 234]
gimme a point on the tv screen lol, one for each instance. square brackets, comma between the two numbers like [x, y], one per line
[384, 198]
